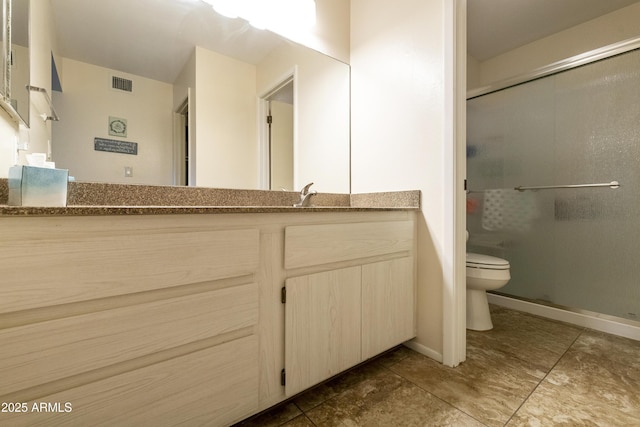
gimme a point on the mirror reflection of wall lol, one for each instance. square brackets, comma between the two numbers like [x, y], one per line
[321, 124]
[19, 58]
[85, 104]
[3, 30]
[223, 139]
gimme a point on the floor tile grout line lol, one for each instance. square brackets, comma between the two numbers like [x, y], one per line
[383, 366]
[293, 398]
[582, 330]
[445, 402]
[432, 394]
[511, 355]
[565, 357]
[304, 414]
[389, 367]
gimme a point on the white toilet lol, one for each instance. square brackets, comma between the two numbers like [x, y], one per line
[484, 273]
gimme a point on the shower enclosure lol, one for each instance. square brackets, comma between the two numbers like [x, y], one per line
[574, 247]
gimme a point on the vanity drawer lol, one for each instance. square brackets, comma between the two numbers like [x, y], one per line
[309, 245]
[215, 386]
[42, 352]
[82, 260]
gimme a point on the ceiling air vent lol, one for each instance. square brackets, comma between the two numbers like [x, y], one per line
[119, 83]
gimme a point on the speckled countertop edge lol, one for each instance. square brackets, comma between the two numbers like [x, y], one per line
[94, 199]
[176, 210]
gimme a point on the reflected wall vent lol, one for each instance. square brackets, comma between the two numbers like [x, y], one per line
[119, 83]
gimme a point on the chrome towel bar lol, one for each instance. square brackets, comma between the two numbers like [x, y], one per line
[612, 184]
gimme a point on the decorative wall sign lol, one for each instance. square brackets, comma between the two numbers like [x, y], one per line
[117, 126]
[113, 146]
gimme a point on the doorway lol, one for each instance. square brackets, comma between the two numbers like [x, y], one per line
[278, 137]
[182, 149]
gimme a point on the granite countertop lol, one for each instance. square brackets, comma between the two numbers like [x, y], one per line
[174, 210]
[96, 199]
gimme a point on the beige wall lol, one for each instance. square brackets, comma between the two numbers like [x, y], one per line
[39, 134]
[399, 119]
[85, 105]
[226, 135]
[473, 72]
[20, 65]
[42, 44]
[330, 36]
[8, 135]
[608, 29]
[185, 80]
[225, 140]
[331, 32]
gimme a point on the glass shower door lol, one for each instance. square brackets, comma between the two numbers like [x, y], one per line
[573, 247]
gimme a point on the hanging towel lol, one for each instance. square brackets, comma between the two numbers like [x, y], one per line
[508, 210]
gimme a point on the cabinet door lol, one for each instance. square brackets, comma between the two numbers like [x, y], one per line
[322, 326]
[388, 298]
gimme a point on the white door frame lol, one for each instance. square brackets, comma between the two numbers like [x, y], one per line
[454, 245]
[263, 128]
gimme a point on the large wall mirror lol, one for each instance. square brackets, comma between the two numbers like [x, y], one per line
[16, 73]
[168, 92]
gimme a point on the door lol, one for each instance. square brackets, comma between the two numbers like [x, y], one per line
[388, 300]
[281, 145]
[181, 137]
[277, 137]
[322, 326]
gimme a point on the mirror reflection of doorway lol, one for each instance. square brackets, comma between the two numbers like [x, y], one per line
[280, 134]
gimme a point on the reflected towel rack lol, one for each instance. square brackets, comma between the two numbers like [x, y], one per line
[612, 184]
[43, 91]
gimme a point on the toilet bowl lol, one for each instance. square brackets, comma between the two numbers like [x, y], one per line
[484, 273]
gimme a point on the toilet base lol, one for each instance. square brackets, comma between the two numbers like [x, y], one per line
[478, 316]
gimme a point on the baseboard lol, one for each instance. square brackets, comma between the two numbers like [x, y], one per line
[598, 322]
[424, 350]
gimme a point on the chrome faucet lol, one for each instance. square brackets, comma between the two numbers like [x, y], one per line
[305, 196]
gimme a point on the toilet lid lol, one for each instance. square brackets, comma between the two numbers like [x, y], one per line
[486, 261]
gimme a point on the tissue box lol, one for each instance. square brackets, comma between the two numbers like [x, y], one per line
[36, 186]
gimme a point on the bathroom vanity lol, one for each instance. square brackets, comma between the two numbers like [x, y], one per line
[195, 314]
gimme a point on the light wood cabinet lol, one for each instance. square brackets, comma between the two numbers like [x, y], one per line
[388, 299]
[129, 322]
[309, 245]
[47, 351]
[170, 319]
[337, 318]
[212, 387]
[322, 326]
[106, 257]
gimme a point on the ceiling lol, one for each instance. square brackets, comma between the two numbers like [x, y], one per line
[152, 38]
[497, 26]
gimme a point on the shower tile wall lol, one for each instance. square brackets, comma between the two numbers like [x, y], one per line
[573, 247]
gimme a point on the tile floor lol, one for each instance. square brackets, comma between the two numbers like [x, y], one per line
[527, 371]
